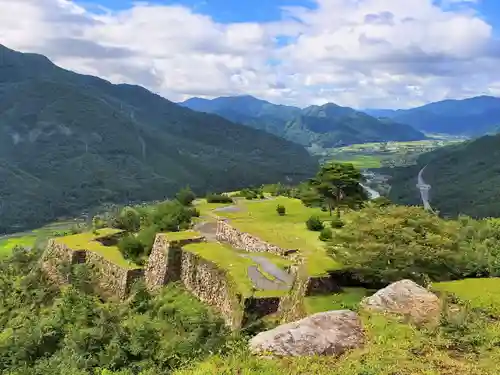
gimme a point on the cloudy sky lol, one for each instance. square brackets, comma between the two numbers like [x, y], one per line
[359, 53]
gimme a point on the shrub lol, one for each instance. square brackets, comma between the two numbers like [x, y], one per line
[326, 234]
[219, 198]
[131, 248]
[314, 223]
[381, 202]
[383, 245]
[185, 196]
[281, 210]
[128, 219]
[337, 223]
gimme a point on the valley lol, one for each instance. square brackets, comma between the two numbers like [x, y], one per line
[236, 236]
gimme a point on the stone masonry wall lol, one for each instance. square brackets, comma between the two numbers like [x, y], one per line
[211, 285]
[112, 280]
[245, 241]
[163, 265]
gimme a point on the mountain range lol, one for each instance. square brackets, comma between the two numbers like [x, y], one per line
[324, 126]
[470, 117]
[70, 141]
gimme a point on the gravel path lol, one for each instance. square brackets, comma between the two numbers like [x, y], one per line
[228, 209]
[263, 283]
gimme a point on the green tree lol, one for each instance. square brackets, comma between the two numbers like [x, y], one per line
[185, 196]
[129, 219]
[337, 184]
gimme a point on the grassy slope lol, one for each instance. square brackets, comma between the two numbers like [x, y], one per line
[289, 231]
[29, 239]
[348, 299]
[479, 293]
[391, 348]
[87, 241]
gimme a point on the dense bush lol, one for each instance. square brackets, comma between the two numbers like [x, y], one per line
[281, 210]
[337, 223]
[382, 245]
[185, 196]
[72, 332]
[381, 202]
[326, 234]
[132, 248]
[219, 198]
[314, 223]
[250, 193]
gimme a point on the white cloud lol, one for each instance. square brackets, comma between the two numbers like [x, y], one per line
[358, 53]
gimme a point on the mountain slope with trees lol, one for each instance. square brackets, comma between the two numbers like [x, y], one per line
[472, 117]
[69, 142]
[464, 179]
[325, 126]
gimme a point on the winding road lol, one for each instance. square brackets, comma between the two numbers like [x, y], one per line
[424, 189]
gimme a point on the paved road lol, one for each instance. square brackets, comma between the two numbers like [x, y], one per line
[424, 189]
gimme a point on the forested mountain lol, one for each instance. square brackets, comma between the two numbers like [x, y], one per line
[472, 117]
[326, 126]
[464, 178]
[70, 141]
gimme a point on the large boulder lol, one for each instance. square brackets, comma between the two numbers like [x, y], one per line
[327, 333]
[405, 298]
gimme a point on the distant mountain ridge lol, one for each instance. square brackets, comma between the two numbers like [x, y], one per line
[69, 142]
[471, 117]
[326, 126]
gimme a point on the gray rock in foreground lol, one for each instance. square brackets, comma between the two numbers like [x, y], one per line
[327, 333]
[405, 298]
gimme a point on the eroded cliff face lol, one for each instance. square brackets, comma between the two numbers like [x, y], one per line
[112, 280]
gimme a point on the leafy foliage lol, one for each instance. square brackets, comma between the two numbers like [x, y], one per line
[326, 126]
[185, 196]
[281, 210]
[326, 234]
[72, 332]
[70, 143]
[383, 245]
[219, 198]
[335, 184]
[314, 224]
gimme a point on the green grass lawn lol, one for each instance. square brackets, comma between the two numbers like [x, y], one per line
[30, 238]
[7, 245]
[228, 259]
[182, 235]
[479, 293]
[349, 299]
[87, 241]
[361, 161]
[289, 231]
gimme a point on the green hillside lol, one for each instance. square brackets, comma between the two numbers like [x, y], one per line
[69, 142]
[464, 179]
[323, 126]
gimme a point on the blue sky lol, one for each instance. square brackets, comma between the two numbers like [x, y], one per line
[358, 53]
[225, 11]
